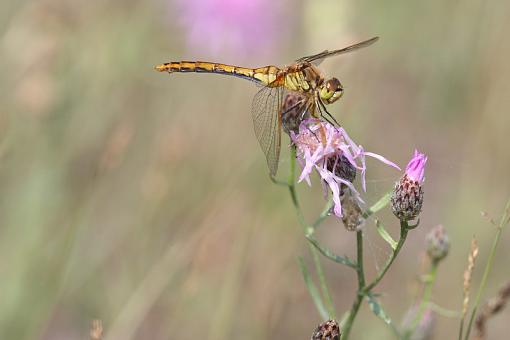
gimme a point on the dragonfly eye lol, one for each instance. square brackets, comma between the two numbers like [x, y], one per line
[331, 90]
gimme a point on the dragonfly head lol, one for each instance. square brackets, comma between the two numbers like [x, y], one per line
[331, 90]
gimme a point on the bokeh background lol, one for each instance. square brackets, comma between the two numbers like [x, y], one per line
[142, 199]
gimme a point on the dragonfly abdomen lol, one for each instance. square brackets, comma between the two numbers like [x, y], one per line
[264, 75]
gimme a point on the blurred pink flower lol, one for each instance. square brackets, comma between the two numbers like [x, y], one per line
[321, 146]
[235, 26]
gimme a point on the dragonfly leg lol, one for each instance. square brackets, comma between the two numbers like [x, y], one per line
[309, 106]
[325, 110]
[299, 103]
[322, 109]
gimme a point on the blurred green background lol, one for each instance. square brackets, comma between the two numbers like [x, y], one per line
[142, 199]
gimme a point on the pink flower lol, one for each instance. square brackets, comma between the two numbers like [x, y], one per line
[330, 151]
[233, 26]
[407, 197]
[415, 169]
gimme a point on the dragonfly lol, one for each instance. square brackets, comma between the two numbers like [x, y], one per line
[302, 79]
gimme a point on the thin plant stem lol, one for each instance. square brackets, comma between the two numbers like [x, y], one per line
[291, 183]
[427, 292]
[461, 330]
[447, 313]
[361, 285]
[322, 281]
[488, 267]
[325, 213]
[308, 230]
[403, 235]
[363, 289]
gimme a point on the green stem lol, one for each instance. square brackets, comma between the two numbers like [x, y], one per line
[401, 241]
[488, 267]
[431, 278]
[361, 285]
[325, 213]
[322, 281]
[308, 230]
[447, 313]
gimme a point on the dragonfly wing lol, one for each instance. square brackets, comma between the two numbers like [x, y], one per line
[317, 58]
[267, 123]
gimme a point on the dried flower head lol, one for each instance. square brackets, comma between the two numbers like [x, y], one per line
[352, 215]
[327, 150]
[328, 330]
[491, 308]
[407, 197]
[468, 273]
[438, 243]
[342, 168]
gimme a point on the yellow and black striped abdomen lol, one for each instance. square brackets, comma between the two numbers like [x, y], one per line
[264, 75]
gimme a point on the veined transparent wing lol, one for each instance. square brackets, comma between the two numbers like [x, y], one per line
[267, 123]
[319, 57]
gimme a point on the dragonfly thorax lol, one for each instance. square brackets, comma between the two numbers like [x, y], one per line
[331, 90]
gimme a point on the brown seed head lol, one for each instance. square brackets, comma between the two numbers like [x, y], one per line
[351, 213]
[328, 330]
[468, 273]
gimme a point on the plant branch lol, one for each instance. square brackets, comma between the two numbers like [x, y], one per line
[361, 284]
[401, 241]
[431, 278]
[309, 230]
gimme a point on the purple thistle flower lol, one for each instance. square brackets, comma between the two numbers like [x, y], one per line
[407, 197]
[320, 147]
[415, 169]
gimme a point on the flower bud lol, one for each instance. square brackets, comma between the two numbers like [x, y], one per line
[407, 197]
[438, 244]
[352, 214]
[328, 330]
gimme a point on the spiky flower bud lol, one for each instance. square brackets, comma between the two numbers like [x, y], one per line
[328, 330]
[407, 198]
[352, 214]
[438, 244]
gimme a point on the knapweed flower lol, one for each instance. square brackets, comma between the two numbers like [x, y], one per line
[407, 197]
[328, 330]
[334, 155]
[438, 244]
